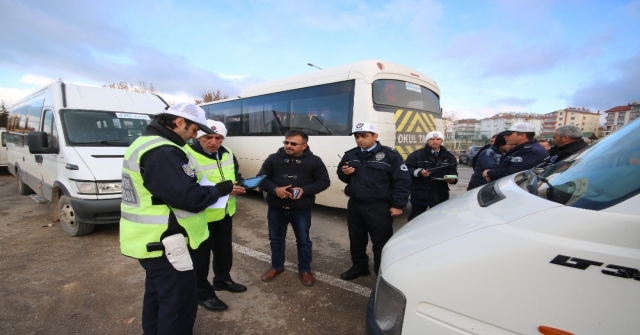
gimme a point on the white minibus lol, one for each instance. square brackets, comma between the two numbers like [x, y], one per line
[402, 103]
[551, 252]
[66, 143]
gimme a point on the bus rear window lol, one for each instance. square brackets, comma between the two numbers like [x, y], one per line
[389, 95]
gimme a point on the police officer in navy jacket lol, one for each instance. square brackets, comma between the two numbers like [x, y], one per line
[525, 154]
[378, 185]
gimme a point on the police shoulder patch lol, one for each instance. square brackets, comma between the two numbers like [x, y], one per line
[403, 167]
[516, 159]
[188, 170]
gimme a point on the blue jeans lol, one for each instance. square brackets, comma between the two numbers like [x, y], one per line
[300, 221]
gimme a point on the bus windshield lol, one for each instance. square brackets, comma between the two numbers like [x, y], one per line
[389, 95]
[602, 176]
[102, 128]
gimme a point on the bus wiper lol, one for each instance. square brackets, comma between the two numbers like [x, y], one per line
[322, 124]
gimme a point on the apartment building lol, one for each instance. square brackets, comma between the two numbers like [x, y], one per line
[581, 117]
[620, 116]
[502, 121]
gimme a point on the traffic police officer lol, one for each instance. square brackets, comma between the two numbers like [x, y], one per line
[162, 218]
[525, 154]
[216, 163]
[378, 185]
[428, 166]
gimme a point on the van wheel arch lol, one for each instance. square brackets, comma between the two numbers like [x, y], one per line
[69, 222]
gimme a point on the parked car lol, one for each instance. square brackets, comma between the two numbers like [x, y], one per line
[467, 156]
[551, 253]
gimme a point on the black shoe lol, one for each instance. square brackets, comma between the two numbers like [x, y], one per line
[213, 304]
[355, 272]
[229, 285]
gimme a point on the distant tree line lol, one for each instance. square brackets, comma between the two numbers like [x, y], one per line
[4, 115]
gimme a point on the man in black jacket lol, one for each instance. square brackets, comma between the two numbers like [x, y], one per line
[294, 175]
[568, 141]
[427, 168]
[378, 188]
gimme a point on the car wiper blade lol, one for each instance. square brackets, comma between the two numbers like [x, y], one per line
[114, 142]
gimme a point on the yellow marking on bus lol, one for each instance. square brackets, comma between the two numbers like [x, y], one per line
[404, 121]
[429, 122]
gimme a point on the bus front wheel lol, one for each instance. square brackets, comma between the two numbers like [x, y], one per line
[69, 221]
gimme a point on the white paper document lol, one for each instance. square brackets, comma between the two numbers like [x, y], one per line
[222, 201]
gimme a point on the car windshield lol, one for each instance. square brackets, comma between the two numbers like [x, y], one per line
[103, 128]
[600, 177]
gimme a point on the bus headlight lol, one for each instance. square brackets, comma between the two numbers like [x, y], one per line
[389, 308]
[87, 187]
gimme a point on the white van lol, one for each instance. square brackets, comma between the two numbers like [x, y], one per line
[3, 149]
[555, 253]
[66, 144]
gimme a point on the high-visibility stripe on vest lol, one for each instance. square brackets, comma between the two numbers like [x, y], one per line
[215, 171]
[142, 222]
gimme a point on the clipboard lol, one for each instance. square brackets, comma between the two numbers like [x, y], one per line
[252, 182]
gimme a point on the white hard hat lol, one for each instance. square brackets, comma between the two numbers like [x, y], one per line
[217, 127]
[435, 134]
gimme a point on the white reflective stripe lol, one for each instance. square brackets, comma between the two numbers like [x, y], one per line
[213, 166]
[180, 214]
[132, 162]
[146, 219]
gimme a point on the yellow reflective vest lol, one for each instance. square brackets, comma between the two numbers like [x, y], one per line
[215, 171]
[141, 221]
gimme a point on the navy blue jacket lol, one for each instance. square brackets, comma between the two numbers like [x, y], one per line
[427, 191]
[306, 171]
[520, 158]
[487, 159]
[166, 173]
[380, 176]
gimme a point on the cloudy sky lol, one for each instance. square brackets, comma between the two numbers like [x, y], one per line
[488, 56]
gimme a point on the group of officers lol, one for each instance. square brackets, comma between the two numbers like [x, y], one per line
[171, 188]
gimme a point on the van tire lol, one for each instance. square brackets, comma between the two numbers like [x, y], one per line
[68, 220]
[23, 189]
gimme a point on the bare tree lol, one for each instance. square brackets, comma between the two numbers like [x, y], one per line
[4, 115]
[141, 88]
[449, 121]
[209, 96]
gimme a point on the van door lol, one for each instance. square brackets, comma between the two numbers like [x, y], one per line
[49, 164]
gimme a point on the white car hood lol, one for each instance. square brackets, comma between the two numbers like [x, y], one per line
[459, 216]
[105, 163]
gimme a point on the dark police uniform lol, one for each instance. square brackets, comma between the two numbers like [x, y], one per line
[427, 192]
[170, 298]
[380, 181]
[520, 158]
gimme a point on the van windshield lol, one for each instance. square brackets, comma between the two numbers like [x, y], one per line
[602, 176]
[102, 128]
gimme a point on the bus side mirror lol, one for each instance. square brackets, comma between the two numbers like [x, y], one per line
[39, 143]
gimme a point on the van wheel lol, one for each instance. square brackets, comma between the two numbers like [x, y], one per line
[68, 220]
[23, 189]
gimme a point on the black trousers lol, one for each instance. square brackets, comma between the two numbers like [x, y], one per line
[364, 220]
[170, 298]
[219, 242]
[416, 210]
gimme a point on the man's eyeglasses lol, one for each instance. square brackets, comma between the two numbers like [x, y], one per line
[293, 144]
